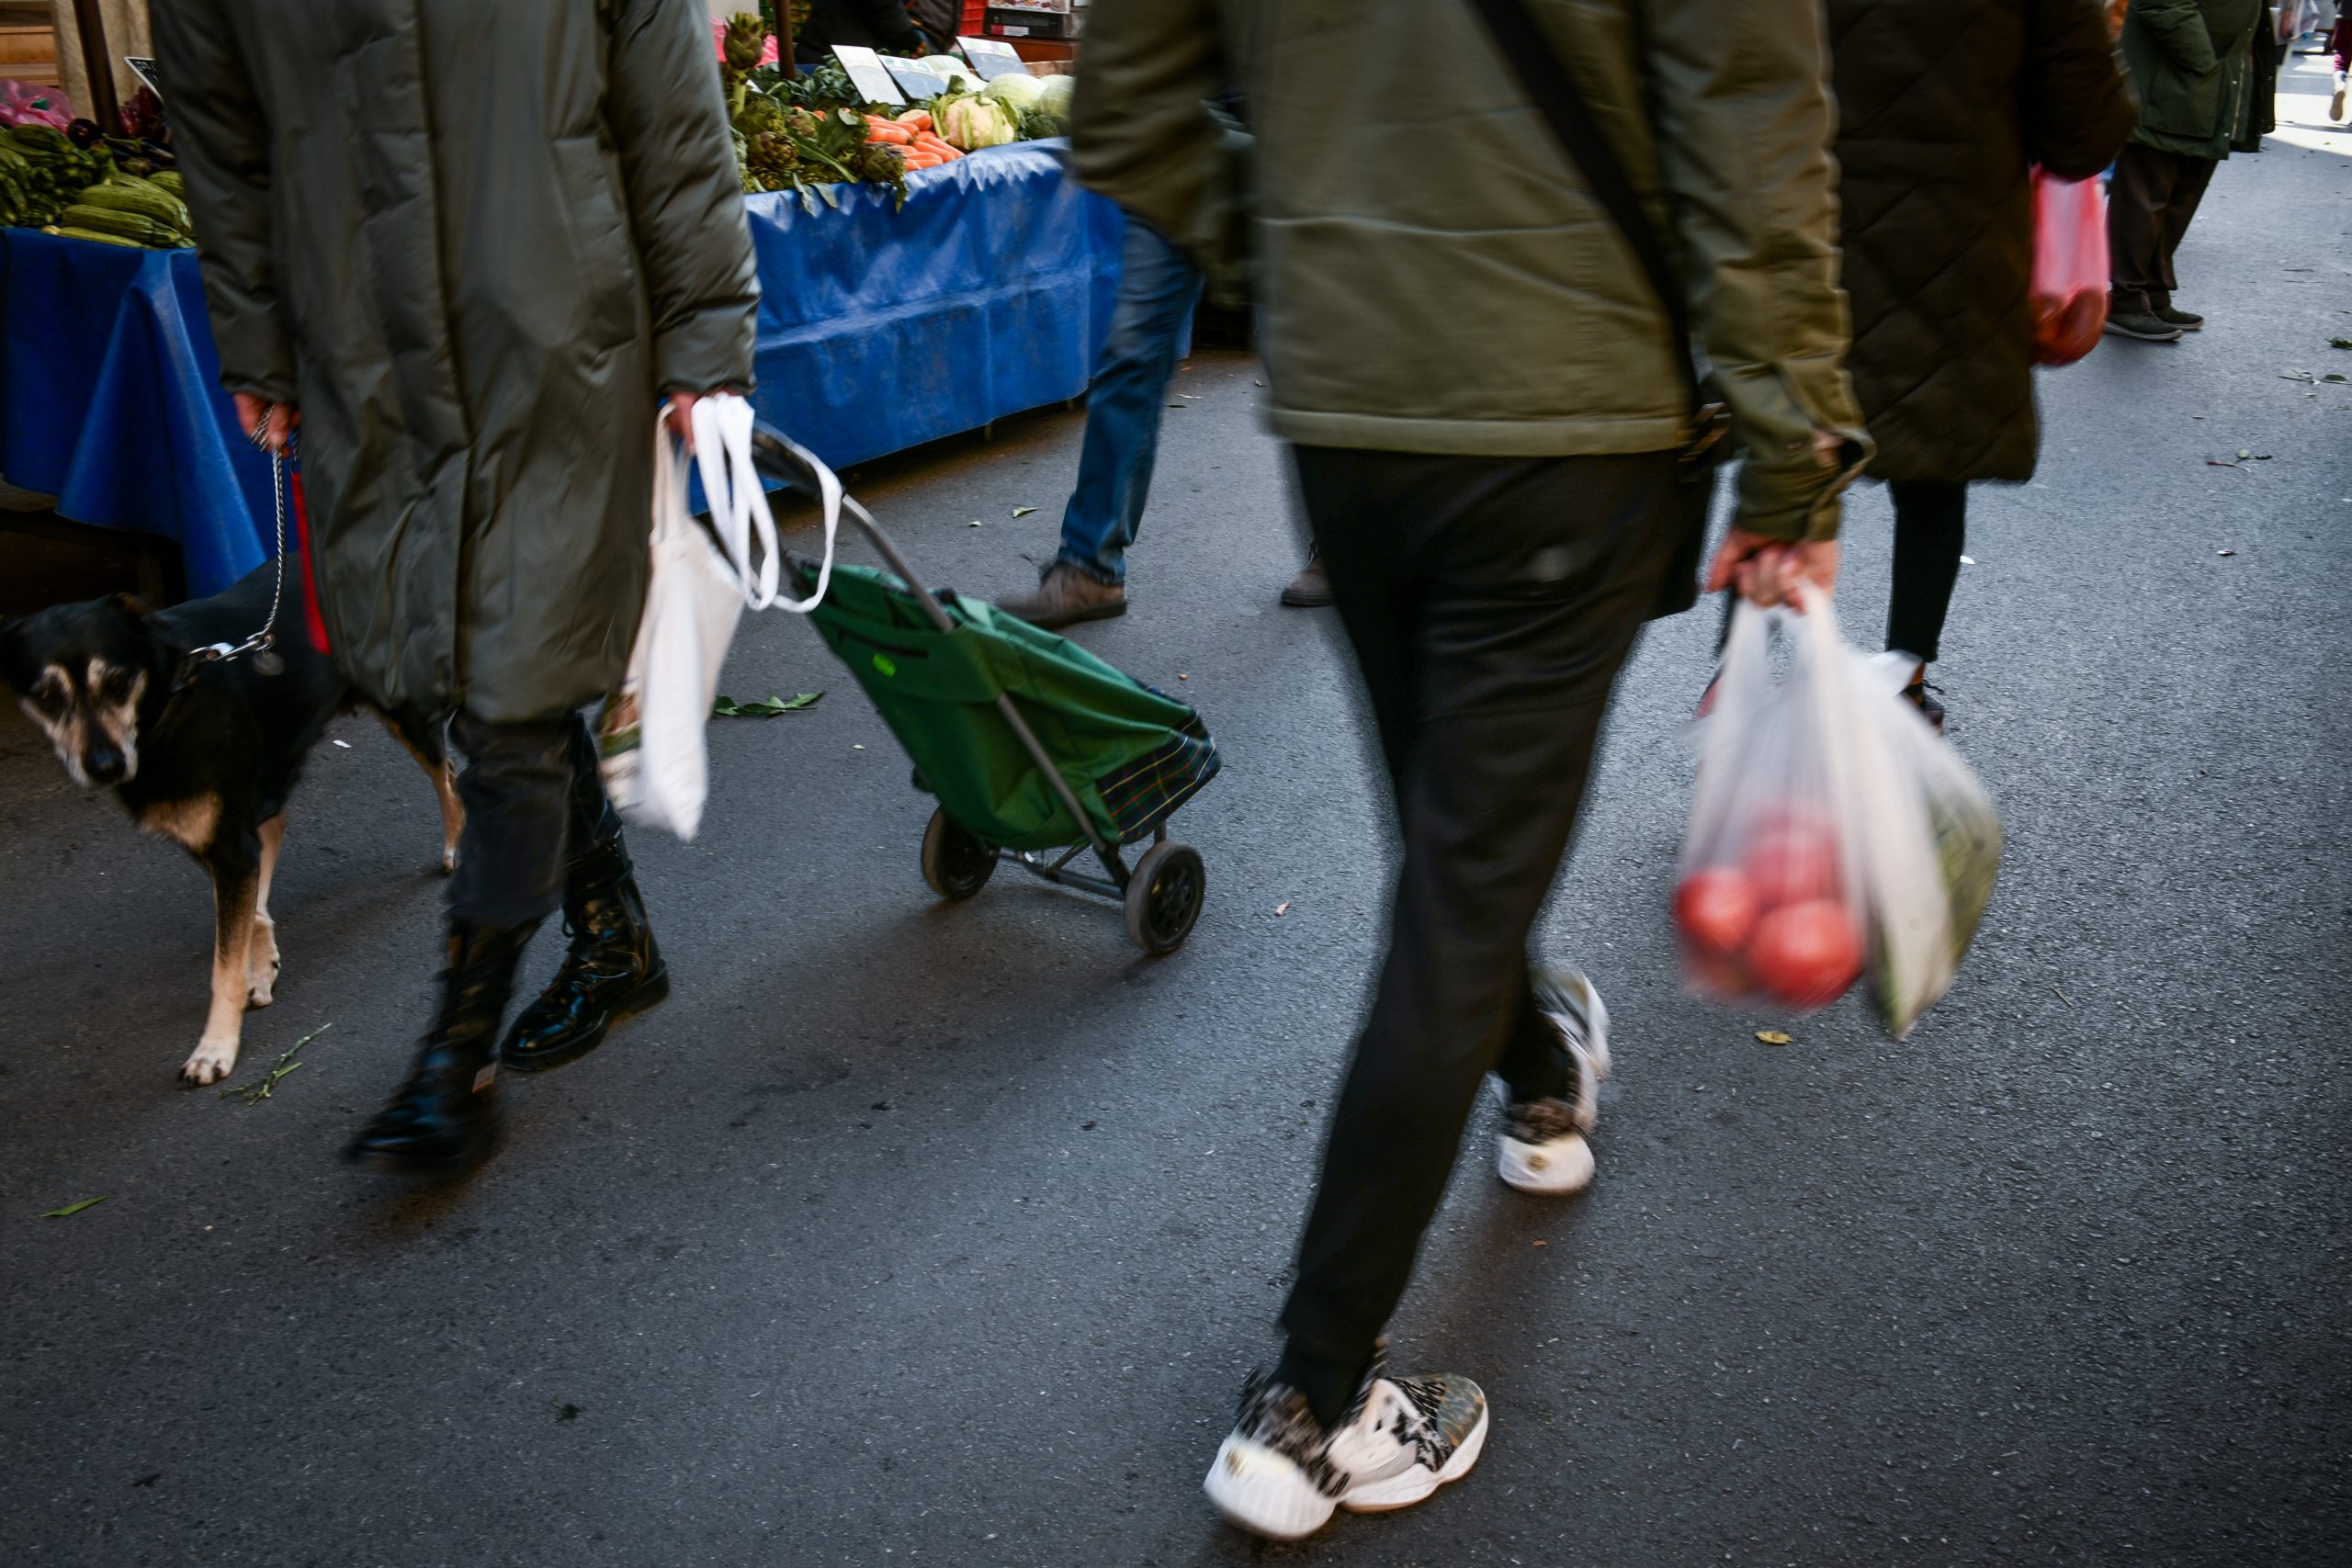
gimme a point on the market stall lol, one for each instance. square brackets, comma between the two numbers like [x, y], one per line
[910, 290]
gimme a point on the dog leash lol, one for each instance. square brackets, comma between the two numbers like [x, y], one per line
[263, 644]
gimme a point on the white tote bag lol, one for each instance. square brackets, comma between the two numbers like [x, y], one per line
[655, 766]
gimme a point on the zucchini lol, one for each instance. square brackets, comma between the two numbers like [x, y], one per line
[129, 225]
[128, 193]
[72, 234]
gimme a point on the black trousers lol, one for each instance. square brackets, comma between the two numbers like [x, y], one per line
[1930, 532]
[2149, 203]
[535, 803]
[1490, 602]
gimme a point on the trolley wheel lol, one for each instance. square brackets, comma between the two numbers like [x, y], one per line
[1164, 895]
[955, 862]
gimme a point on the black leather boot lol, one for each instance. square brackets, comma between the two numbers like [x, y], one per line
[613, 969]
[446, 1116]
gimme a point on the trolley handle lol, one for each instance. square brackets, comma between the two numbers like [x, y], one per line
[777, 461]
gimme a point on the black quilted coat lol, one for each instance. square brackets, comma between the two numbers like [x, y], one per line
[472, 240]
[1943, 105]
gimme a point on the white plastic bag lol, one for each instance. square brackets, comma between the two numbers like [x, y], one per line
[655, 766]
[1832, 830]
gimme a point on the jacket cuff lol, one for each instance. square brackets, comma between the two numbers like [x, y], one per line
[1784, 502]
[708, 350]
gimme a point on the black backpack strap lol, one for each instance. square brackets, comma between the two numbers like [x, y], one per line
[1546, 81]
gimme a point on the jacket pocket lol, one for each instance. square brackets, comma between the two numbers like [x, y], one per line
[603, 250]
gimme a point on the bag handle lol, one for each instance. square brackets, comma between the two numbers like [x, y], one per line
[738, 502]
[1545, 80]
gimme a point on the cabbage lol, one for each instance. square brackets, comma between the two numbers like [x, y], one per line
[1015, 92]
[969, 122]
[1054, 94]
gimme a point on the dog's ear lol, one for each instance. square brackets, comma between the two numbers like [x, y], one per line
[131, 604]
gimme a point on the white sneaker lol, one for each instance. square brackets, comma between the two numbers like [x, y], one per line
[1542, 1149]
[1281, 1475]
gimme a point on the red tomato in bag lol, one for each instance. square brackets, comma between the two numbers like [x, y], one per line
[1792, 864]
[1807, 954]
[1716, 908]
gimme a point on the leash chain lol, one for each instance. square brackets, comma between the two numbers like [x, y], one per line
[262, 645]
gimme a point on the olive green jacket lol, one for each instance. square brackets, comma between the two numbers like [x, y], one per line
[1433, 274]
[472, 240]
[2191, 63]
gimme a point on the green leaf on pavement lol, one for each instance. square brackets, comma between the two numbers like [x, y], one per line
[289, 1060]
[767, 707]
[2339, 342]
[1022, 511]
[73, 1209]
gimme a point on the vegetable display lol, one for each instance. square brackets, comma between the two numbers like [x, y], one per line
[83, 184]
[812, 131]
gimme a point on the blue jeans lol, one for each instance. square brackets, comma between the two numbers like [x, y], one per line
[1158, 286]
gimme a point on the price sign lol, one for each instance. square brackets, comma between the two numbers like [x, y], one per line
[921, 82]
[992, 59]
[867, 73]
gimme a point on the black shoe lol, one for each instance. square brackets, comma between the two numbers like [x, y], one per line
[1311, 589]
[2144, 325]
[2186, 320]
[613, 969]
[1916, 694]
[445, 1117]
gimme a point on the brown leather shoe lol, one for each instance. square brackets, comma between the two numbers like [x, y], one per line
[1065, 597]
[1311, 589]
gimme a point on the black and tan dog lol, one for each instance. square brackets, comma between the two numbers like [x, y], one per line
[207, 761]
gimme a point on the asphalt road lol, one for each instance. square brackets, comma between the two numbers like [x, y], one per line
[908, 1233]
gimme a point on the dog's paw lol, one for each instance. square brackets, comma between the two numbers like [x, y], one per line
[450, 861]
[261, 990]
[211, 1063]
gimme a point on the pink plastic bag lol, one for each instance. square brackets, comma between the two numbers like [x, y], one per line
[29, 103]
[2069, 289]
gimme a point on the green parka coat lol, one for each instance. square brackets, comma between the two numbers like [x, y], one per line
[1433, 274]
[2191, 61]
[473, 241]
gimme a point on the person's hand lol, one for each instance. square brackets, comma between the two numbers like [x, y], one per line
[1767, 570]
[682, 409]
[283, 419]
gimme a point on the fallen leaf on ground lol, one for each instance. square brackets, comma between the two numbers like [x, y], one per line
[1539, 1241]
[345, 744]
[1968, 560]
[1022, 511]
[289, 1059]
[1184, 677]
[73, 1209]
[1283, 907]
[973, 523]
[2339, 342]
[766, 707]
[1773, 1037]
[2225, 552]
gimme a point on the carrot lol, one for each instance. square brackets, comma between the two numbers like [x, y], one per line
[885, 131]
[915, 120]
[934, 144]
[923, 161]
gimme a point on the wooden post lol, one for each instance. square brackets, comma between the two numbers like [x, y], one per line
[97, 63]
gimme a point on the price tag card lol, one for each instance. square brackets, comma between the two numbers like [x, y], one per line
[992, 59]
[921, 82]
[950, 69]
[867, 73]
[144, 69]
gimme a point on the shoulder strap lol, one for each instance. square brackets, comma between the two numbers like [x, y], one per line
[1546, 81]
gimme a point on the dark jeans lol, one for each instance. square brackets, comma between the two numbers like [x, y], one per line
[1490, 602]
[1158, 286]
[2149, 203]
[534, 803]
[1930, 531]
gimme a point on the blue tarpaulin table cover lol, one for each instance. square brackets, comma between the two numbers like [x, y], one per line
[987, 293]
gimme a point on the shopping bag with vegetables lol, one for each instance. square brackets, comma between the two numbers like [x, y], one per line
[1833, 833]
